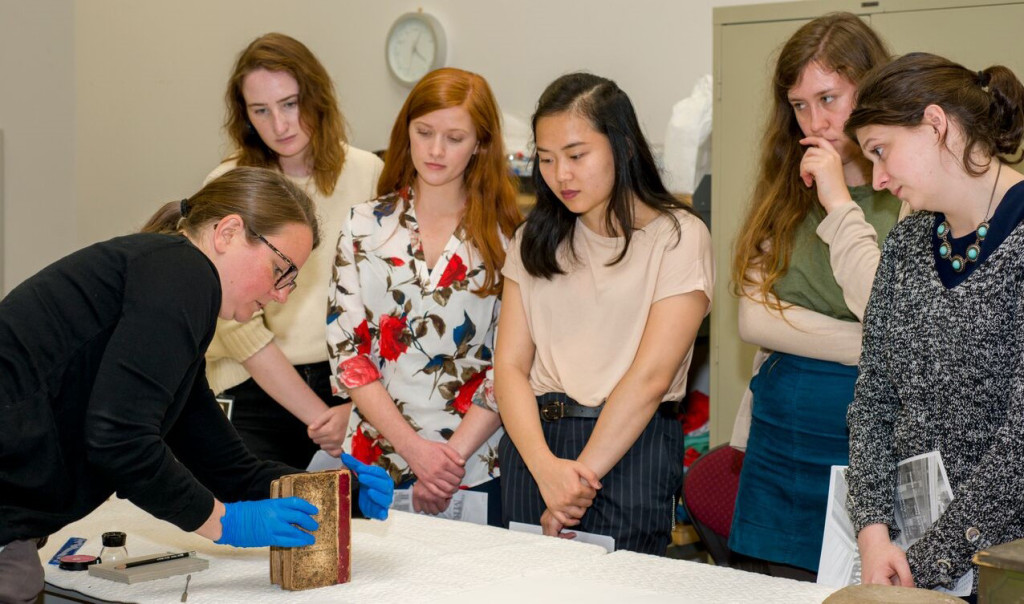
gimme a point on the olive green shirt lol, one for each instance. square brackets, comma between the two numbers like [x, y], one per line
[810, 282]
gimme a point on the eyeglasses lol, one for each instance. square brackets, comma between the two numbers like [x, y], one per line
[287, 279]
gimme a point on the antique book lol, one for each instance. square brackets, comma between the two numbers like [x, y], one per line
[328, 561]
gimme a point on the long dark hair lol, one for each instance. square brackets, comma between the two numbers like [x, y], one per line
[987, 105]
[608, 110]
[840, 42]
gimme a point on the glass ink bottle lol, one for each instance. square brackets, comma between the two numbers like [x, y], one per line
[113, 548]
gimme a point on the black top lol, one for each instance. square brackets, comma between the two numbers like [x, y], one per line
[1009, 213]
[103, 389]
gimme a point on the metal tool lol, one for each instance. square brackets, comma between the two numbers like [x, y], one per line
[184, 594]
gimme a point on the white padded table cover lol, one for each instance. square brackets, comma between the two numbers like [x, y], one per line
[414, 558]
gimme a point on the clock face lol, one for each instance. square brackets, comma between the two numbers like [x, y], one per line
[412, 49]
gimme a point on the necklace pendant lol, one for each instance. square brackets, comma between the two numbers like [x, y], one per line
[973, 252]
[958, 263]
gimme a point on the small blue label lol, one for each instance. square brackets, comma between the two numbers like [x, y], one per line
[73, 544]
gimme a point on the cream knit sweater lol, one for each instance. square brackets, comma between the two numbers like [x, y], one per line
[298, 327]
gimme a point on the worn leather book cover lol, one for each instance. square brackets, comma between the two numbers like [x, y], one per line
[328, 561]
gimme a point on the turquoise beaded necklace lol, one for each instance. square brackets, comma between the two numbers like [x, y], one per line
[974, 250]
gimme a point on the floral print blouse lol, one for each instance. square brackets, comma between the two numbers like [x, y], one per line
[421, 331]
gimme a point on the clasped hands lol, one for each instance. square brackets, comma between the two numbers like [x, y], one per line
[568, 488]
[328, 430]
[439, 469]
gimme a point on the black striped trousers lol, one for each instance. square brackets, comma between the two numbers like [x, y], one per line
[636, 503]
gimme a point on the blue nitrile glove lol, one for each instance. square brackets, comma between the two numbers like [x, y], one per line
[268, 522]
[376, 489]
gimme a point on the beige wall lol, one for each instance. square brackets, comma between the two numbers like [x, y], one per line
[120, 100]
[37, 106]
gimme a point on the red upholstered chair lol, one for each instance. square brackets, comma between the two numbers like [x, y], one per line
[709, 494]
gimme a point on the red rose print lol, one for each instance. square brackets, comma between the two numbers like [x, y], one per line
[391, 331]
[455, 271]
[464, 399]
[364, 448]
[357, 371]
[362, 337]
[396, 261]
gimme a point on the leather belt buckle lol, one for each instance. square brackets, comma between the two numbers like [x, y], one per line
[552, 411]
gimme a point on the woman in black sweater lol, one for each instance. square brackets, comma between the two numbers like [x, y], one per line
[102, 381]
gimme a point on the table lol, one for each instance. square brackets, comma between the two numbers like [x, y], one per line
[416, 558]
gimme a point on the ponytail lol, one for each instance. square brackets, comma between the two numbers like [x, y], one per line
[1005, 112]
[265, 199]
[988, 105]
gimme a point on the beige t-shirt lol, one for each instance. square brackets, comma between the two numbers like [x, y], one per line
[587, 324]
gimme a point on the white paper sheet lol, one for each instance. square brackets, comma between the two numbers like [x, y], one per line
[922, 494]
[466, 506]
[322, 461]
[603, 540]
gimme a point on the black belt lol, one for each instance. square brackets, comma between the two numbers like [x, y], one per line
[556, 405]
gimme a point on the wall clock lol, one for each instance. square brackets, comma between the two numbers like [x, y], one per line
[415, 45]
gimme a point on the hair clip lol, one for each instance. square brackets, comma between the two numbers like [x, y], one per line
[184, 208]
[983, 79]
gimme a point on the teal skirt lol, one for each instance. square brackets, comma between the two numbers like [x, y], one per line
[797, 432]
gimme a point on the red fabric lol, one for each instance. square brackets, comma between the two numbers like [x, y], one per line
[696, 416]
[344, 526]
[710, 488]
[691, 455]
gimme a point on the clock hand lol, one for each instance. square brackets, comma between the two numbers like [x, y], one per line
[415, 47]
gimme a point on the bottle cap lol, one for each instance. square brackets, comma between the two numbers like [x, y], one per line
[77, 562]
[113, 539]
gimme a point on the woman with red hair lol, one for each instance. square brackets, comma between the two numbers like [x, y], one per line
[414, 296]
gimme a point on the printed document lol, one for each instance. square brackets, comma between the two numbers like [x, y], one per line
[922, 494]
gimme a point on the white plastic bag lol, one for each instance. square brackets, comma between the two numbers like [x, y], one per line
[687, 157]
